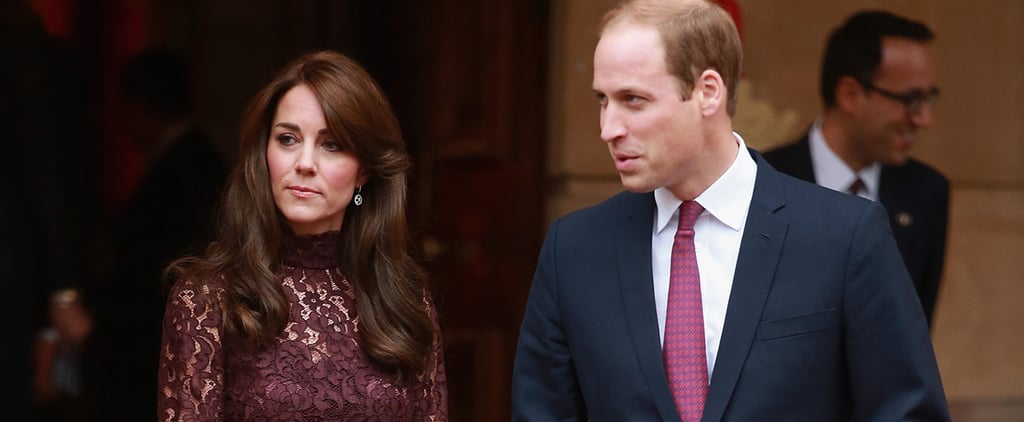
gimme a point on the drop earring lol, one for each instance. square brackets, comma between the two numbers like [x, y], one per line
[358, 198]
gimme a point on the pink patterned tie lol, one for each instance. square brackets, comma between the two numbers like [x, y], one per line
[685, 355]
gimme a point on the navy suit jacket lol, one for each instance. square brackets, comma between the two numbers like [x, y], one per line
[819, 325]
[917, 200]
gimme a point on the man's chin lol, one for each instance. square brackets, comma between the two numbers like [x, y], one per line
[897, 159]
[633, 184]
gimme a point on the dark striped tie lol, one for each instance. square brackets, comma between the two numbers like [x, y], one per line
[856, 186]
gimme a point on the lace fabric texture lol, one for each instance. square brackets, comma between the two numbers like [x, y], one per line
[316, 371]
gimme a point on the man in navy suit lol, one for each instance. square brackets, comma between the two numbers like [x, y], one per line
[802, 303]
[877, 86]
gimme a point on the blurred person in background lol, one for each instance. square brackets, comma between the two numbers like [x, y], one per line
[49, 207]
[167, 215]
[877, 89]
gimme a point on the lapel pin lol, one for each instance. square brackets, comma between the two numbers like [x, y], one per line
[904, 219]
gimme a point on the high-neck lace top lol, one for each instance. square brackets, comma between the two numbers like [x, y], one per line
[316, 370]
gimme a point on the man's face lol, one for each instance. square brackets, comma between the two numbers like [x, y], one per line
[654, 137]
[885, 127]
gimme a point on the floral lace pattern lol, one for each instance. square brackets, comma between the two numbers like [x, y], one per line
[316, 370]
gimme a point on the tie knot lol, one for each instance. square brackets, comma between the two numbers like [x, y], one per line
[688, 213]
[856, 186]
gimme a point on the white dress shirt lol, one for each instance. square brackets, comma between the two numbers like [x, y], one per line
[717, 235]
[832, 172]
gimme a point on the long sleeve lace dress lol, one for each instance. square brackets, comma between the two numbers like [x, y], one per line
[315, 371]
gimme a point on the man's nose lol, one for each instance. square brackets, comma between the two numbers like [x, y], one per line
[611, 124]
[922, 117]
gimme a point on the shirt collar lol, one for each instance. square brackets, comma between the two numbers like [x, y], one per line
[832, 172]
[727, 199]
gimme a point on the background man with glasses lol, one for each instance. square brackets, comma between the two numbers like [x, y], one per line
[877, 86]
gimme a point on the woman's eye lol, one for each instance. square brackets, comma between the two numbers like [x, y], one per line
[286, 139]
[332, 146]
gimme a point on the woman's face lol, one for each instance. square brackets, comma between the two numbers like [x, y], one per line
[312, 176]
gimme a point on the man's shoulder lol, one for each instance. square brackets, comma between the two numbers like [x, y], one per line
[193, 161]
[798, 189]
[609, 213]
[619, 204]
[590, 231]
[809, 201]
[786, 149]
[197, 146]
[789, 157]
[917, 172]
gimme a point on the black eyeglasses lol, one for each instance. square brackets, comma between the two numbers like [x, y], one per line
[914, 100]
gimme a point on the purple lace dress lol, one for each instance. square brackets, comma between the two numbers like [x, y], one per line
[316, 371]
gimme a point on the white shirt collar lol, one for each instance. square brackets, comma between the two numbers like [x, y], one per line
[832, 172]
[728, 199]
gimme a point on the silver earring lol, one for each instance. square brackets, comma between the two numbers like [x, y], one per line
[358, 198]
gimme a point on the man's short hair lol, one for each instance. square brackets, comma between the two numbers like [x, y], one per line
[698, 35]
[855, 48]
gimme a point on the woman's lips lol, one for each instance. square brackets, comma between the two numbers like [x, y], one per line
[302, 191]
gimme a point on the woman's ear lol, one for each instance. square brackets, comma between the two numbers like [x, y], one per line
[710, 91]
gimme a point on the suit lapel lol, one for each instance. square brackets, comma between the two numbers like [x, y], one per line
[899, 201]
[637, 283]
[760, 249]
[886, 187]
[803, 167]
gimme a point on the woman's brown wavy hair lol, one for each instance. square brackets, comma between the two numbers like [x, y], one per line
[395, 328]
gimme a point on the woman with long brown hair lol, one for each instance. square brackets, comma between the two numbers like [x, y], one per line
[308, 305]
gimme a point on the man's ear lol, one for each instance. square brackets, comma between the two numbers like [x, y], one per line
[849, 94]
[711, 92]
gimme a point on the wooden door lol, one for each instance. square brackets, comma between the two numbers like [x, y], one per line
[467, 80]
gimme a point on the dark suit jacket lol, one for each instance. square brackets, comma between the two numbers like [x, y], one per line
[820, 324]
[917, 200]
